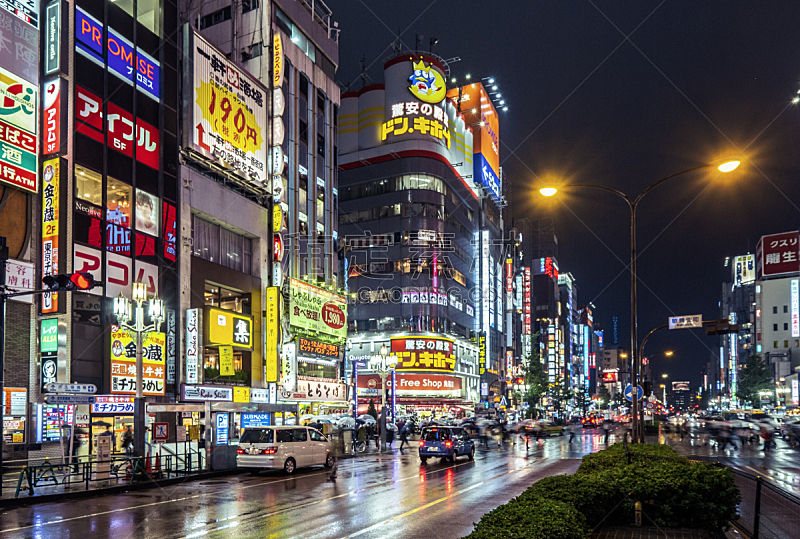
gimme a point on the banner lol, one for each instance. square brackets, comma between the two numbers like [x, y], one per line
[315, 309]
[226, 360]
[123, 362]
[273, 332]
[421, 353]
[227, 119]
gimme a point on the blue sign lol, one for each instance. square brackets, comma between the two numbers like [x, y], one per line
[629, 392]
[255, 420]
[69, 399]
[222, 428]
[615, 330]
[123, 61]
[482, 173]
[89, 36]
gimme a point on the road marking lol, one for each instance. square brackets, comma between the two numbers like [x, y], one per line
[430, 504]
[317, 502]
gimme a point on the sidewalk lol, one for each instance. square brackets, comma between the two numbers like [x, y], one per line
[619, 532]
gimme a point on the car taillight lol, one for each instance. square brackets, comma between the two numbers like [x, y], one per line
[269, 451]
[241, 451]
[448, 444]
[421, 443]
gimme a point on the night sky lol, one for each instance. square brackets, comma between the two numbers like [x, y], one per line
[696, 82]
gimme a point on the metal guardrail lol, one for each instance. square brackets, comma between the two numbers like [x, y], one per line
[766, 510]
[117, 470]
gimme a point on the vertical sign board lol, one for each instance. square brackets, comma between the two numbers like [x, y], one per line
[289, 367]
[48, 346]
[52, 38]
[226, 361]
[194, 339]
[123, 362]
[18, 120]
[795, 392]
[277, 61]
[51, 174]
[51, 117]
[171, 346]
[222, 428]
[482, 353]
[795, 300]
[273, 332]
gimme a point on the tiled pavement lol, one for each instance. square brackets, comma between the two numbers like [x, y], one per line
[650, 533]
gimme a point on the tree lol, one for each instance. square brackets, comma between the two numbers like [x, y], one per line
[535, 379]
[604, 395]
[753, 377]
[372, 411]
[561, 394]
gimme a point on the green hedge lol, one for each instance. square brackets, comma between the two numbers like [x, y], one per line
[532, 518]
[674, 491]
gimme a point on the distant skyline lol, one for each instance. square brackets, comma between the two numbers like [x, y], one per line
[622, 95]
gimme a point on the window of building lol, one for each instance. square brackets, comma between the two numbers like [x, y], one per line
[216, 17]
[303, 225]
[226, 298]
[89, 185]
[775, 309]
[320, 202]
[786, 344]
[221, 245]
[774, 344]
[785, 326]
[774, 327]
[786, 308]
[249, 5]
[118, 203]
[125, 5]
[253, 51]
[149, 15]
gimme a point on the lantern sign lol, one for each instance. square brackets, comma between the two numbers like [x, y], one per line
[277, 247]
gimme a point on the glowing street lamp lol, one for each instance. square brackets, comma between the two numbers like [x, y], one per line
[383, 364]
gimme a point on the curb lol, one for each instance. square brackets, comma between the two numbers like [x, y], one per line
[120, 489]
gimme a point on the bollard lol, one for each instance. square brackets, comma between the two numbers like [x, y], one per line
[638, 514]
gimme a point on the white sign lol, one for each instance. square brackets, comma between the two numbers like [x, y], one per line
[193, 344]
[795, 299]
[686, 321]
[70, 388]
[207, 393]
[795, 392]
[273, 393]
[180, 433]
[20, 278]
[228, 120]
[259, 395]
[322, 391]
[289, 366]
[744, 270]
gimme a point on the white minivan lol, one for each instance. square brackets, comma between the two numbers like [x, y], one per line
[286, 448]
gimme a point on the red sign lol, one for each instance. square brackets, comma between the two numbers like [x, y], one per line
[550, 268]
[609, 377]
[169, 221]
[779, 254]
[16, 137]
[423, 354]
[414, 384]
[277, 247]
[122, 133]
[160, 431]
[509, 276]
[52, 117]
[526, 301]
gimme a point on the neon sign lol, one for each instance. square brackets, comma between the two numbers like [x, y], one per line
[123, 61]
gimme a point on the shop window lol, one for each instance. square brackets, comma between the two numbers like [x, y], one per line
[221, 246]
[89, 185]
[226, 298]
[205, 239]
[118, 203]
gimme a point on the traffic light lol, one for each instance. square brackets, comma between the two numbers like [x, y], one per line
[65, 282]
[721, 327]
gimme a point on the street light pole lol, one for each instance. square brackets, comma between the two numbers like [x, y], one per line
[383, 365]
[637, 429]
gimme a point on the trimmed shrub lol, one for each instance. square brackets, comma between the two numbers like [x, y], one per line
[592, 495]
[614, 456]
[532, 518]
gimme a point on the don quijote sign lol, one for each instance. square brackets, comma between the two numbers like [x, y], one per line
[415, 384]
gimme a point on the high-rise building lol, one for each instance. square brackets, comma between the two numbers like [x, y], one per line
[421, 218]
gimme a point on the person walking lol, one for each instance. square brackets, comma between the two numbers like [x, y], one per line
[571, 428]
[766, 435]
[127, 440]
[403, 436]
[607, 431]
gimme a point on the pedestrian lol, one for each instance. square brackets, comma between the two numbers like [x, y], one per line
[403, 436]
[127, 440]
[504, 434]
[571, 429]
[370, 434]
[607, 431]
[766, 435]
[362, 435]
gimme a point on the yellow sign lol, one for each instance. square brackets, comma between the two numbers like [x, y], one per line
[51, 175]
[229, 116]
[123, 362]
[226, 360]
[225, 327]
[277, 61]
[426, 83]
[273, 327]
[241, 394]
[194, 432]
[16, 438]
[277, 218]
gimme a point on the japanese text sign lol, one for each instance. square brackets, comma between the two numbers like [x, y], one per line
[123, 362]
[18, 110]
[322, 391]
[424, 354]
[779, 253]
[686, 321]
[228, 111]
[50, 228]
[307, 347]
[112, 405]
[225, 327]
[316, 309]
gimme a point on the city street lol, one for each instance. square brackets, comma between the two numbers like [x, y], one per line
[374, 495]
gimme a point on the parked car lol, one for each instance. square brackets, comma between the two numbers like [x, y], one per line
[286, 448]
[445, 442]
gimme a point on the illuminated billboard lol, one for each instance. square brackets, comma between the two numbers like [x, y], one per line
[227, 112]
[778, 254]
[744, 270]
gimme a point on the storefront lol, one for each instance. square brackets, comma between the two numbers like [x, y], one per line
[111, 414]
[424, 395]
[15, 404]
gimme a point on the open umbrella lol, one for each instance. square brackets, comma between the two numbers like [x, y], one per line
[346, 422]
[101, 423]
[366, 418]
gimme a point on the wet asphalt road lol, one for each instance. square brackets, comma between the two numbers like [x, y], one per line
[389, 495]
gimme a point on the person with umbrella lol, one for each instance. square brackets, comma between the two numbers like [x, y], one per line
[403, 436]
